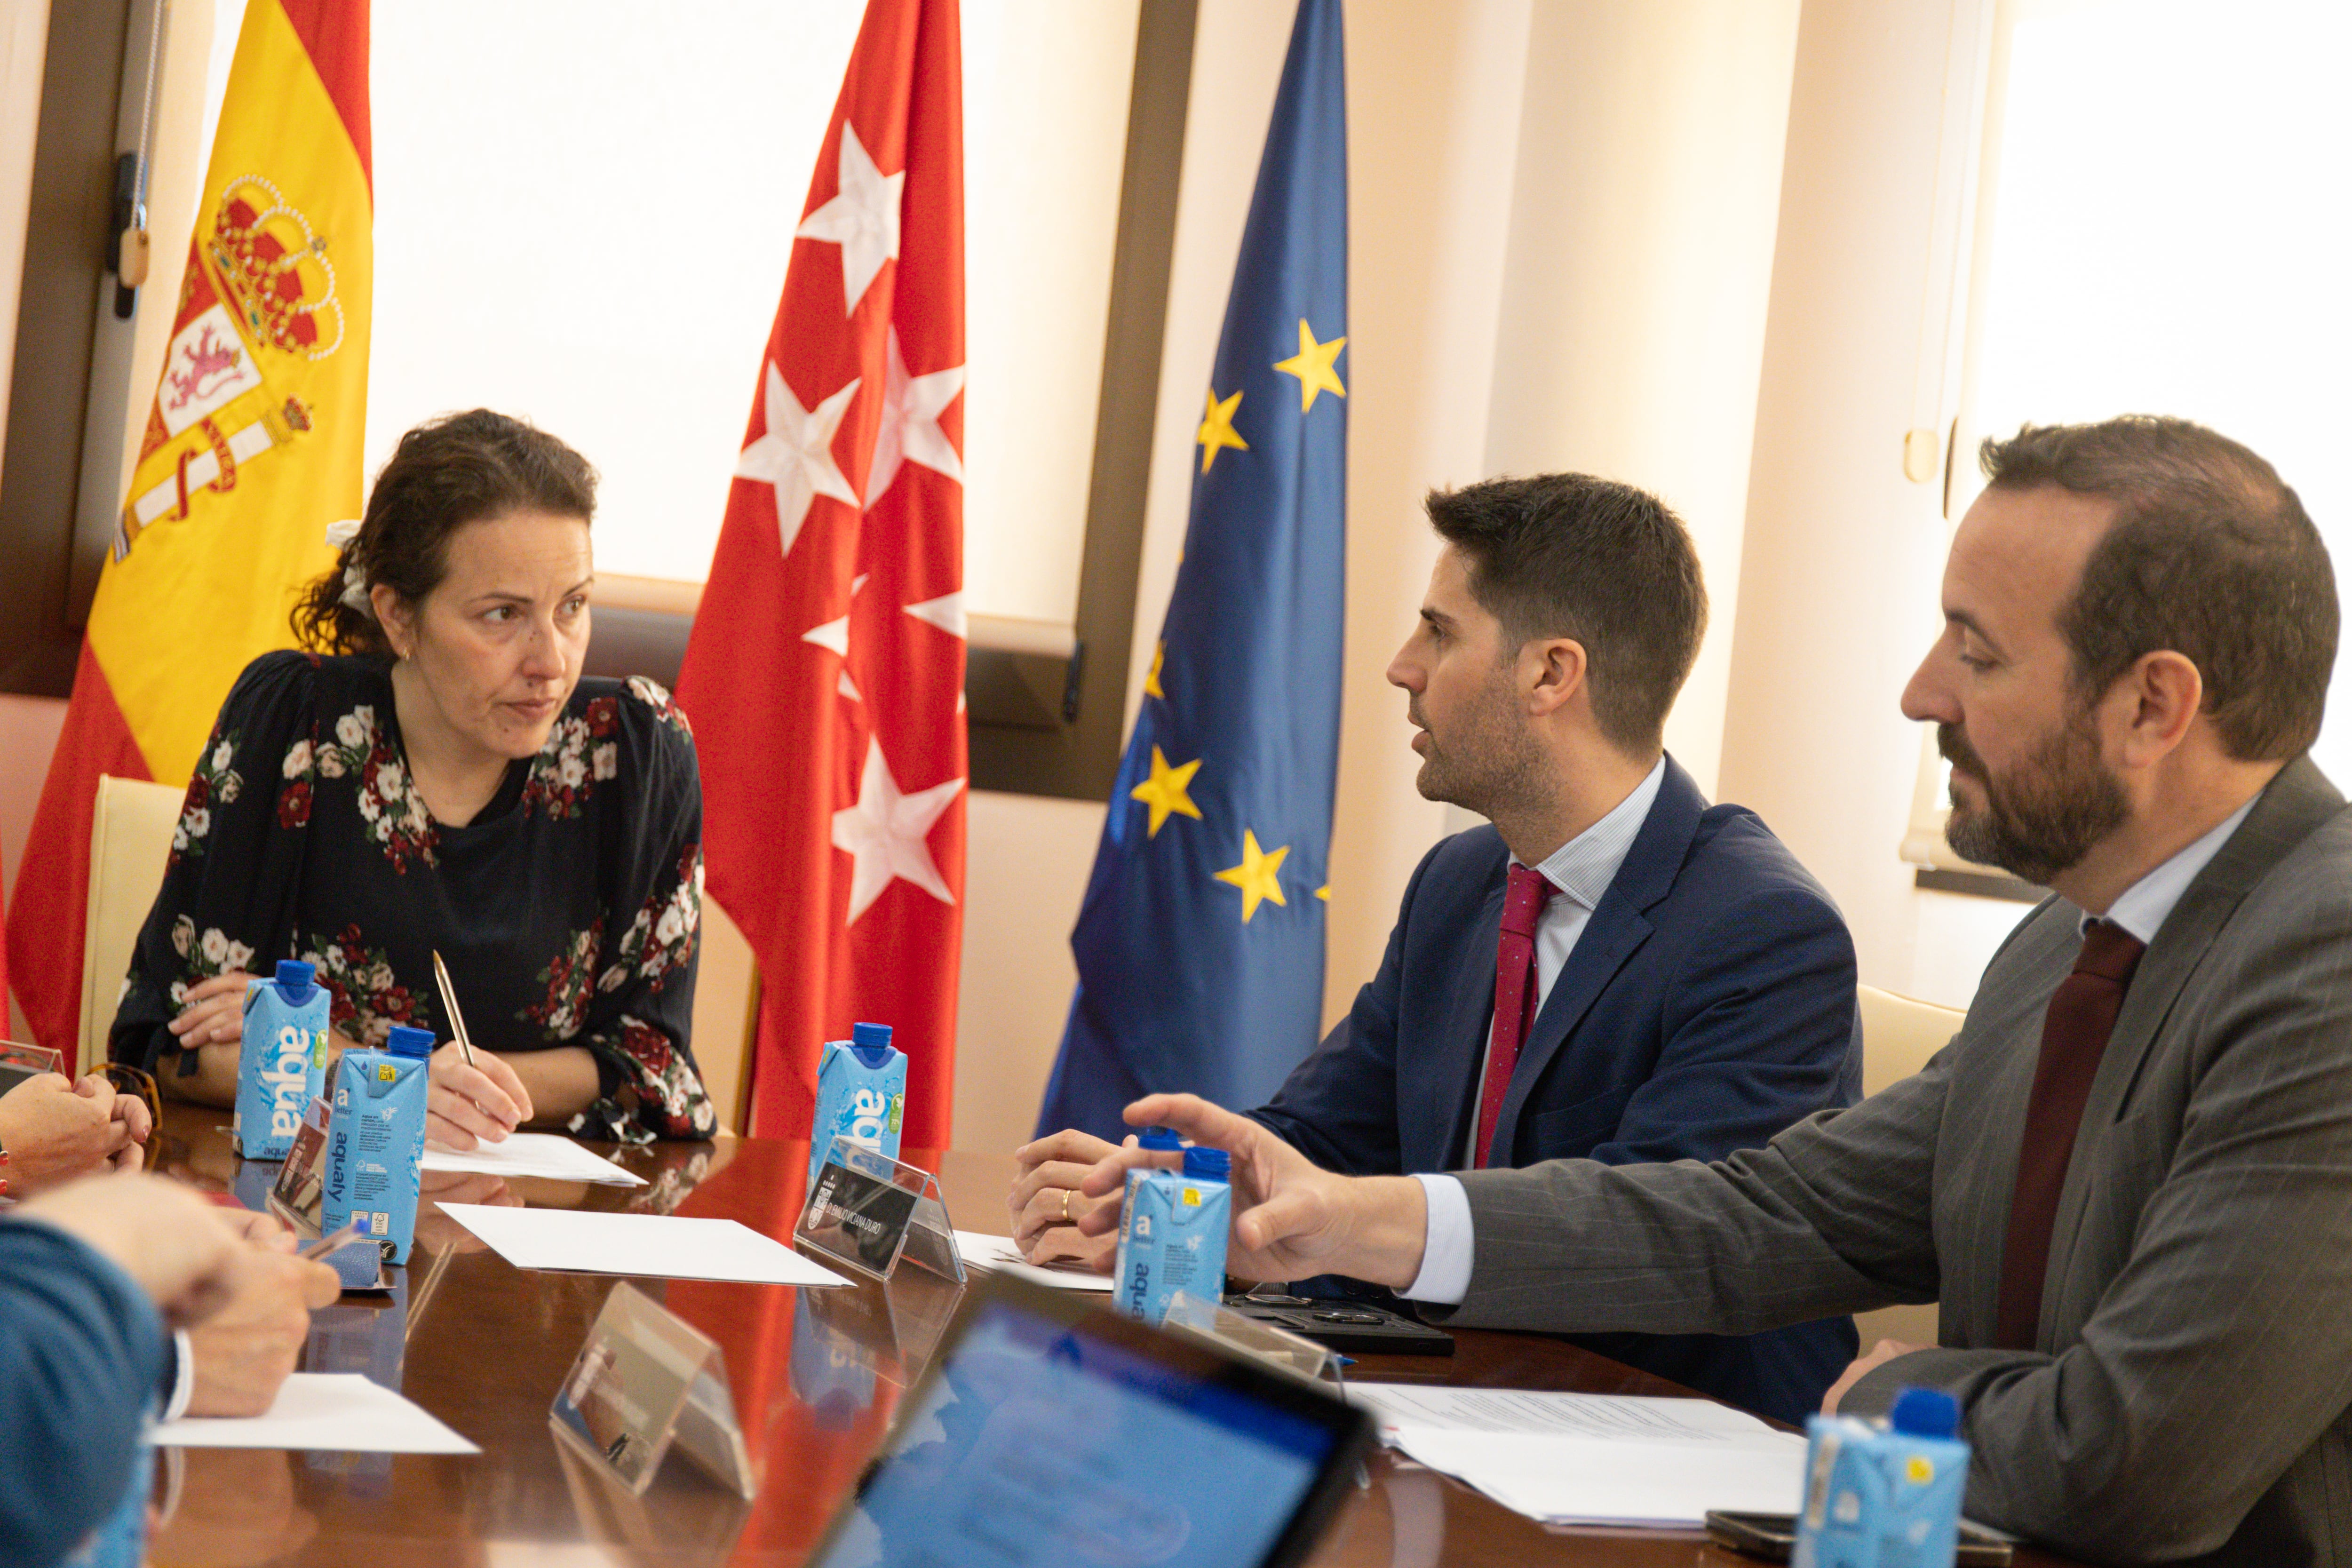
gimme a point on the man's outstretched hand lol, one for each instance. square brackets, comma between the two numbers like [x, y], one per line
[1292, 1219]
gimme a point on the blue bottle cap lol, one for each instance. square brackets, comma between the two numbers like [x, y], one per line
[408, 1042]
[1924, 1413]
[1163, 1138]
[1208, 1164]
[295, 978]
[871, 1043]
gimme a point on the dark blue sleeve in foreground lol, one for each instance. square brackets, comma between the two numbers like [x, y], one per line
[81, 1351]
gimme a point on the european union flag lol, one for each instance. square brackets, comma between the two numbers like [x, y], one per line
[1199, 946]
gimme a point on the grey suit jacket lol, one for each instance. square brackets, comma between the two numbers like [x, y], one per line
[2186, 1398]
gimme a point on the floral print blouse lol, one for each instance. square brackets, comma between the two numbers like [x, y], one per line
[567, 911]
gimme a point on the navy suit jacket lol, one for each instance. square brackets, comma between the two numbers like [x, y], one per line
[1708, 1004]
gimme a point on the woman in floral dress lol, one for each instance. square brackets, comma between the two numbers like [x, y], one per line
[434, 774]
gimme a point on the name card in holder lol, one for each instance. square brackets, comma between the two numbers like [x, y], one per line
[868, 1210]
[646, 1379]
[20, 1063]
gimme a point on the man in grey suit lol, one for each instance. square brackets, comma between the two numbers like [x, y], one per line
[2129, 1178]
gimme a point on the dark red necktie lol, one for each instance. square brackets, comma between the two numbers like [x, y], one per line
[2074, 1038]
[1515, 995]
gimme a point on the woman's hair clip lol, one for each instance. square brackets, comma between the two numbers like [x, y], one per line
[339, 537]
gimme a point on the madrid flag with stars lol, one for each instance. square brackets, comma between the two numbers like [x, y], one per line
[824, 674]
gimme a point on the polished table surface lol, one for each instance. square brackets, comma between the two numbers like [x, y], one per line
[816, 1374]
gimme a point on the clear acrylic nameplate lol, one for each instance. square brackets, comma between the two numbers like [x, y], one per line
[868, 1210]
[1261, 1341]
[644, 1380]
[298, 1196]
[20, 1062]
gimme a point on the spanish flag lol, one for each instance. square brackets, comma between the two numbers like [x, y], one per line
[253, 447]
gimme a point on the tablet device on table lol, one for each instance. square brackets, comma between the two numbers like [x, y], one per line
[1050, 1430]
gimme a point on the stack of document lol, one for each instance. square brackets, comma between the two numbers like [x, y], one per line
[1590, 1458]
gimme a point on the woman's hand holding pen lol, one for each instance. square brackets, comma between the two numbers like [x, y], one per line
[473, 1103]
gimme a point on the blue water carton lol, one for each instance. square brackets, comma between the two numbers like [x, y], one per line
[285, 1045]
[1160, 1140]
[376, 1138]
[861, 1095]
[1172, 1237]
[1884, 1495]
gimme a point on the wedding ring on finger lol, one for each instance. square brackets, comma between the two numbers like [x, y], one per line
[1066, 1205]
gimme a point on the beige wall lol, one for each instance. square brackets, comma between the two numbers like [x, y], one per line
[1837, 594]
[1639, 269]
[23, 39]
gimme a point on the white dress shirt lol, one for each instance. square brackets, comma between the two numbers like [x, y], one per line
[1446, 1254]
[1581, 870]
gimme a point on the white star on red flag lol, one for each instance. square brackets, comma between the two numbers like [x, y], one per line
[884, 831]
[911, 406]
[795, 453]
[861, 219]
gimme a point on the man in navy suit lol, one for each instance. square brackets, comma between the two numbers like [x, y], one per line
[1614, 969]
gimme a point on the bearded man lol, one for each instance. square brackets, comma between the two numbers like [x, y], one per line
[1613, 970]
[2129, 1178]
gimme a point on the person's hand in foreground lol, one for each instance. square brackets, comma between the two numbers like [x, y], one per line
[1861, 1367]
[127, 1111]
[1046, 1205]
[245, 1352]
[57, 1131]
[473, 1105]
[174, 1245]
[1292, 1219]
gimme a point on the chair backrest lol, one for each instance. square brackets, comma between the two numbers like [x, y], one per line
[129, 841]
[1899, 1034]
[726, 1015]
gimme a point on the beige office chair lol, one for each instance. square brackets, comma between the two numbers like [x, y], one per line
[726, 1017]
[129, 840]
[1898, 1035]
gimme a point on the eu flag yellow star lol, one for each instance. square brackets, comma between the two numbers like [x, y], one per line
[1312, 365]
[1217, 428]
[1164, 791]
[1256, 875]
[1151, 681]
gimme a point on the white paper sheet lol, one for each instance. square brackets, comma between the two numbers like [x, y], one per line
[1594, 1459]
[547, 1155]
[1595, 1480]
[649, 1246]
[998, 1252]
[337, 1412]
[1400, 1404]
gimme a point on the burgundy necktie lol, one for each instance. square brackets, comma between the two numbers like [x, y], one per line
[2074, 1038]
[1515, 995]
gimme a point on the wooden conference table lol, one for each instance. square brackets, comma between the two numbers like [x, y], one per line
[816, 1374]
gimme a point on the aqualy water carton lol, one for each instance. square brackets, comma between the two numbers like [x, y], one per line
[376, 1140]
